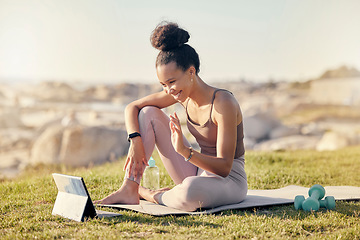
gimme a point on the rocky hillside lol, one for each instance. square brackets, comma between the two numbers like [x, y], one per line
[56, 120]
[341, 72]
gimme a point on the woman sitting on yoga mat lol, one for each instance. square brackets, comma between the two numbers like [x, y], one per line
[213, 177]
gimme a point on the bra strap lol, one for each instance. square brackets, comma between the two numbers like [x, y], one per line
[213, 99]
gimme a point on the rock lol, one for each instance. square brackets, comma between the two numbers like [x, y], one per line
[46, 147]
[56, 92]
[54, 122]
[70, 119]
[15, 138]
[288, 143]
[249, 143]
[332, 141]
[12, 163]
[341, 72]
[259, 126]
[313, 129]
[283, 131]
[122, 93]
[10, 117]
[101, 92]
[82, 146]
[78, 145]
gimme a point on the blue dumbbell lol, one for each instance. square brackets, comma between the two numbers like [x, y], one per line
[314, 202]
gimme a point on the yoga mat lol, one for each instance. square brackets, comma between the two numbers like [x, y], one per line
[255, 198]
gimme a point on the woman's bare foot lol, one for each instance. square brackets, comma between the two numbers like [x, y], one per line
[151, 195]
[127, 194]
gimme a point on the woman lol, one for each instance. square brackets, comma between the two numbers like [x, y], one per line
[213, 177]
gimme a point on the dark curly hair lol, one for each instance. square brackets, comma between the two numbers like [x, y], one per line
[171, 40]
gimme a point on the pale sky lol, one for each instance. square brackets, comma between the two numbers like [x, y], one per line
[108, 40]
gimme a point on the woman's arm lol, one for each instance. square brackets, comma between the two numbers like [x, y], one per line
[226, 115]
[136, 154]
[159, 99]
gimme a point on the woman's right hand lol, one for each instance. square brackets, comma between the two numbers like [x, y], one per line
[136, 159]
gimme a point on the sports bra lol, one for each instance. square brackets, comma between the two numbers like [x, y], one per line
[206, 134]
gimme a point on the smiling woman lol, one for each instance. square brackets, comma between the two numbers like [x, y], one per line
[210, 178]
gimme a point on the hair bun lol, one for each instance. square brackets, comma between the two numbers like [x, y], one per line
[167, 36]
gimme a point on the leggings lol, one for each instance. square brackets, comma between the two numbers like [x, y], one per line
[195, 188]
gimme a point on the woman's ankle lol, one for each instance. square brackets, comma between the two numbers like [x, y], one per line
[130, 186]
[152, 195]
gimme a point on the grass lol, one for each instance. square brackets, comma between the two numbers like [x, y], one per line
[26, 203]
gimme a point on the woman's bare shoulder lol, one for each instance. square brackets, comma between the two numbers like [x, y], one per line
[225, 104]
[225, 98]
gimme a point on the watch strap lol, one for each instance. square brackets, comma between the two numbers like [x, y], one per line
[134, 134]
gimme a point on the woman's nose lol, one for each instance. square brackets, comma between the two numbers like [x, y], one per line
[171, 90]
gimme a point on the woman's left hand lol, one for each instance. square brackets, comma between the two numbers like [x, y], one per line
[176, 134]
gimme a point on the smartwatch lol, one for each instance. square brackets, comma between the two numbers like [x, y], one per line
[132, 135]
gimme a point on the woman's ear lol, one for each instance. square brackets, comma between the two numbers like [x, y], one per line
[192, 71]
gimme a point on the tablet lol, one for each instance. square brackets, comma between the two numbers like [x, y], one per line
[73, 200]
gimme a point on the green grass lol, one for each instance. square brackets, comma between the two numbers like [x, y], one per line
[26, 203]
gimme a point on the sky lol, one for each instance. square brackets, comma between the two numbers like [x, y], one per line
[109, 40]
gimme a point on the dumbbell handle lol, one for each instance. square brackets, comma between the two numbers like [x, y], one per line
[312, 202]
[315, 195]
[322, 203]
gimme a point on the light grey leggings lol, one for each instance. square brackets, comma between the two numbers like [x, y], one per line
[195, 188]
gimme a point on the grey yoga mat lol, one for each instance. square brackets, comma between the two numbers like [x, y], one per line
[255, 198]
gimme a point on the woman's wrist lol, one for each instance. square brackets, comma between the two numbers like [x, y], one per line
[190, 154]
[136, 140]
[184, 152]
[187, 153]
[133, 135]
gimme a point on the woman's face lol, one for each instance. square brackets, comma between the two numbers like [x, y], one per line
[175, 81]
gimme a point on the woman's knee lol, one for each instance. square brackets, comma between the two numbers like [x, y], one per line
[193, 196]
[149, 112]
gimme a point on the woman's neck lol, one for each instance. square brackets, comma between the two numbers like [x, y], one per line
[201, 93]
